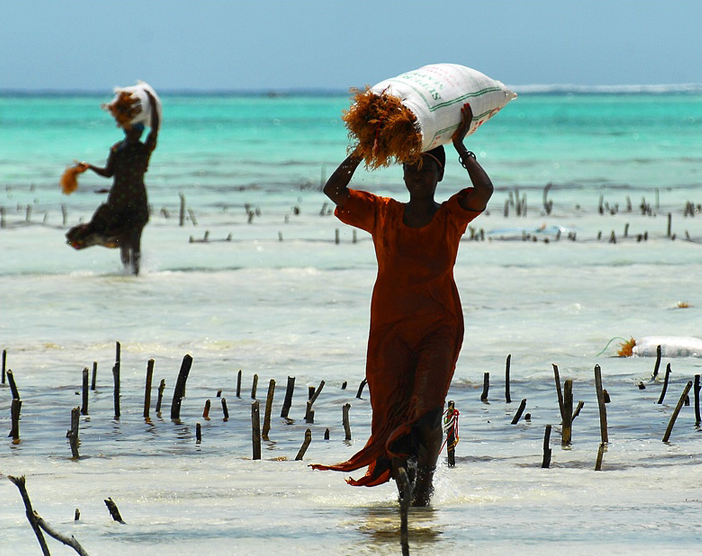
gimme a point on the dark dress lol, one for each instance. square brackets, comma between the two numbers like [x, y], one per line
[416, 326]
[126, 212]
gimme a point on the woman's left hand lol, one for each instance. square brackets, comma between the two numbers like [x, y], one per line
[462, 129]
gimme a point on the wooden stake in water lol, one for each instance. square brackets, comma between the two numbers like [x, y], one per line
[518, 415]
[147, 387]
[254, 386]
[288, 397]
[559, 393]
[206, 411]
[4, 361]
[601, 404]
[309, 414]
[567, 428]
[84, 407]
[600, 456]
[546, 461]
[13, 384]
[508, 397]
[116, 379]
[269, 409]
[159, 399]
[225, 411]
[198, 433]
[305, 445]
[256, 429]
[72, 433]
[665, 383]
[678, 407]
[15, 410]
[658, 362]
[697, 400]
[360, 388]
[179, 391]
[345, 420]
[94, 377]
[486, 387]
[238, 384]
[114, 510]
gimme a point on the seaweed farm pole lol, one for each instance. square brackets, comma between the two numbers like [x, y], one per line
[84, 406]
[665, 383]
[305, 445]
[94, 377]
[508, 362]
[567, 428]
[4, 362]
[179, 390]
[256, 429]
[254, 386]
[486, 387]
[360, 388]
[697, 400]
[13, 384]
[159, 399]
[601, 404]
[72, 433]
[309, 414]
[518, 415]
[269, 408]
[115, 376]
[288, 397]
[19, 482]
[238, 384]
[345, 420]
[557, 378]
[15, 410]
[147, 387]
[678, 407]
[658, 362]
[600, 456]
[546, 461]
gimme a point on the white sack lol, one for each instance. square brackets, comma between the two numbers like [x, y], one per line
[436, 93]
[671, 346]
[139, 90]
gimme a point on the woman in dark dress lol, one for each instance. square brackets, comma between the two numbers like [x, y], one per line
[120, 221]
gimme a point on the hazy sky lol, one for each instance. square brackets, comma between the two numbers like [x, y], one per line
[337, 44]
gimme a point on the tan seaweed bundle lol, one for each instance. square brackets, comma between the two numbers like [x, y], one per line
[69, 179]
[626, 348]
[382, 129]
[124, 108]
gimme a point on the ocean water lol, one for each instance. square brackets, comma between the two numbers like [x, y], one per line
[261, 278]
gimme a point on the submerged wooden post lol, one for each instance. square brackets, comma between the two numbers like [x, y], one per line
[546, 461]
[15, 410]
[557, 378]
[206, 410]
[518, 415]
[288, 397]
[256, 429]
[567, 428]
[508, 362]
[159, 399]
[269, 408]
[238, 384]
[254, 386]
[84, 406]
[305, 445]
[345, 421]
[309, 414]
[486, 387]
[600, 456]
[601, 404]
[4, 361]
[116, 379]
[225, 411]
[678, 407]
[20, 483]
[147, 387]
[198, 433]
[94, 377]
[72, 433]
[658, 362]
[114, 510]
[697, 400]
[179, 390]
[360, 388]
[13, 384]
[665, 383]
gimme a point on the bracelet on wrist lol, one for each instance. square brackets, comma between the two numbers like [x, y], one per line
[467, 154]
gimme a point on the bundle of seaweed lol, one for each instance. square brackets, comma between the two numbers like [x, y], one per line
[124, 108]
[69, 179]
[382, 130]
[626, 348]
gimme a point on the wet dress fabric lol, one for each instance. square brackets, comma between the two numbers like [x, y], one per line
[126, 211]
[416, 325]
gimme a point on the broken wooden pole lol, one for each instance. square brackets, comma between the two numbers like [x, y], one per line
[676, 411]
[256, 429]
[15, 410]
[238, 384]
[287, 403]
[486, 387]
[147, 388]
[4, 361]
[559, 393]
[114, 510]
[13, 384]
[600, 456]
[116, 379]
[601, 404]
[309, 414]
[305, 445]
[508, 363]
[577, 409]
[269, 409]
[20, 483]
[345, 420]
[518, 415]
[159, 398]
[697, 400]
[658, 362]
[86, 377]
[93, 379]
[254, 386]
[198, 433]
[665, 383]
[546, 460]
[206, 410]
[179, 390]
[72, 433]
[567, 426]
[68, 541]
[360, 388]
[225, 410]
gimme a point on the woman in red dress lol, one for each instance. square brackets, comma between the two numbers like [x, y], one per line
[416, 327]
[120, 221]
